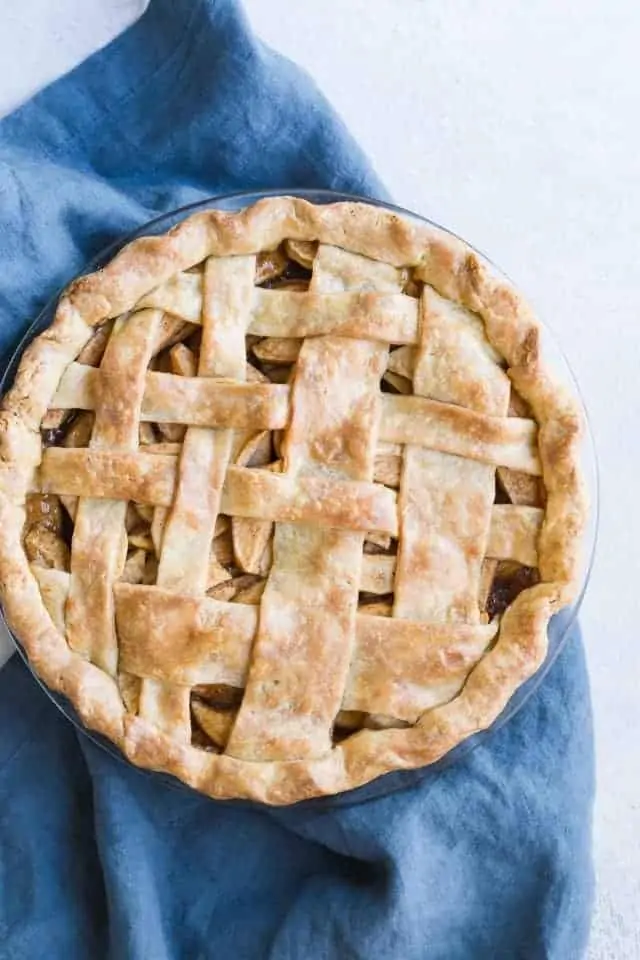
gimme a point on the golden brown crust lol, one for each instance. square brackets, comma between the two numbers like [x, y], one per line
[190, 400]
[456, 273]
[150, 478]
[502, 441]
[513, 535]
[309, 604]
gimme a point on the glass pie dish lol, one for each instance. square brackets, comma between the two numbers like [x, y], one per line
[560, 625]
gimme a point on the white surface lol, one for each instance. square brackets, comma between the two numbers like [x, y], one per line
[516, 125]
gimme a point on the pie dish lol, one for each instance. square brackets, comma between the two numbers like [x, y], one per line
[288, 497]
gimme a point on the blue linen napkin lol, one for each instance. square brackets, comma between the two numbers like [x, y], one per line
[487, 858]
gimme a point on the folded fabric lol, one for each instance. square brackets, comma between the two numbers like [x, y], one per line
[488, 857]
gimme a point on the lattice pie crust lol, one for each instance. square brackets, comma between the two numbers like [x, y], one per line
[287, 498]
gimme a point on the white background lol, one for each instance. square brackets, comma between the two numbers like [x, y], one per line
[517, 126]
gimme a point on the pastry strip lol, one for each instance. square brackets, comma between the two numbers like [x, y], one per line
[455, 363]
[310, 600]
[445, 508]
[150, 478]
[362, 313]
[188, 533]
[98, 548]
[194, 401]
[205, 454]
[384, 317]
[185, 640]
[401, 668]
[445, 501]
[500, 441]
[513, 535]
